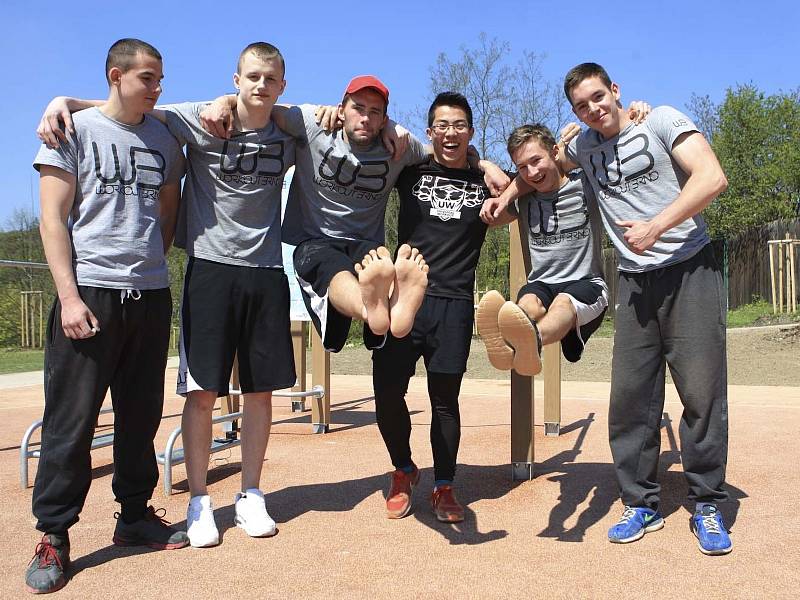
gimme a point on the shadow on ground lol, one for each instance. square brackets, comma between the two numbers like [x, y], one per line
[596, 483]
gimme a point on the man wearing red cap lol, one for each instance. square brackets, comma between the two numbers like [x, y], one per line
[335, 215]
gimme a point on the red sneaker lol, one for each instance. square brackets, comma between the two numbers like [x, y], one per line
[445, 505]
[398, 502]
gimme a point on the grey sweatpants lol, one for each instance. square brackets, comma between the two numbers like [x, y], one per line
[676, 314]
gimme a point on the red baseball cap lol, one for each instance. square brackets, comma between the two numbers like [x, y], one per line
[367, 81]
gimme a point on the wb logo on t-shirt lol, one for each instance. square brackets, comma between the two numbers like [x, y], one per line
[367, 176]
[247, 159]
[142, 175]
[557, 217]
[448, 196]
[631, 157]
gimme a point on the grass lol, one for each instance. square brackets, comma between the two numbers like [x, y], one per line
[16, 360]
[758, 313]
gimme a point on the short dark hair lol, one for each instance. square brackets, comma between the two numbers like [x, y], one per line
[583, 71]
[122, 54]
[263, 51]
[450, 99]
[524, 133]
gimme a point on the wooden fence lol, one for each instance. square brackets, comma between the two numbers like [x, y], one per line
[744, 260]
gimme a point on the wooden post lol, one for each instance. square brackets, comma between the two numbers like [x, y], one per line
[22, 326]
[771, 249]
[793, 271]
[551, 357]
[789, 274]
[522, 393]
[780, 277]
[41, 320]
[320, 375]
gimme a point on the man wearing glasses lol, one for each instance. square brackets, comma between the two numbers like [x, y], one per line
[440, 202]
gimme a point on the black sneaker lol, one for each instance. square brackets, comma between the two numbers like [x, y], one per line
[152, 530]
[45, 572]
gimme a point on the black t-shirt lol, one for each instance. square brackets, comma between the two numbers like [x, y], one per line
[439, 215]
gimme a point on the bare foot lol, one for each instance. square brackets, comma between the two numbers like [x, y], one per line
[411, 273]
[375, 277]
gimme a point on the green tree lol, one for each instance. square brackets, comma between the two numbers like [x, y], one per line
[757, 140]
[21, 242]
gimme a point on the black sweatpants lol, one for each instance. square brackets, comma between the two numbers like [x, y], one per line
[128, 355]
[441, 335]
[675, 314]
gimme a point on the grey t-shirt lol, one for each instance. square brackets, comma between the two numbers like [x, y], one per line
[114, 221]
[563, 232]
[337, 190]
[231, 209]
[634, 178]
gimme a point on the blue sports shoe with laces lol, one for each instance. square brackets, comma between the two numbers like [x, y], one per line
[707, 526]
[635, 522]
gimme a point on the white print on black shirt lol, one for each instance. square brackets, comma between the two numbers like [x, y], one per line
[448, 196]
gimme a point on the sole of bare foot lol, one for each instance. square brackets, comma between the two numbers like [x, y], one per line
[411, 276]
[517, 330]
[501, 356]
[375, 277]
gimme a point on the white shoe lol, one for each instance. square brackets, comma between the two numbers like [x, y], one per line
[200, 525]
[252, 515]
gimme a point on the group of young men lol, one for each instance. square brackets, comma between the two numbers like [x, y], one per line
[111, 204]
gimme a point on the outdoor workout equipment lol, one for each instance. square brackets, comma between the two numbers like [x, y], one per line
[522, 390]
[230, 409]
[782, 270]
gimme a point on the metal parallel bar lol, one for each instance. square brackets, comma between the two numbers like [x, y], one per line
[23, 264]
[25, 454]
[166, 458]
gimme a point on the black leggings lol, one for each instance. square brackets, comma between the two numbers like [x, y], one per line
[394, 420]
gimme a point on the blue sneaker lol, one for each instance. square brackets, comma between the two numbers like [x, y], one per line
[707, 526]
[635, 522]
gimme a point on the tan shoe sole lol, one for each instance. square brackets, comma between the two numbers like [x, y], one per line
[517, 329]
[500, 355]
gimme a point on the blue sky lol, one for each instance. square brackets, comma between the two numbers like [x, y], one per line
[657, 51]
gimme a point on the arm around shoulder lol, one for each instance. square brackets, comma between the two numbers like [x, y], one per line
[59, 110]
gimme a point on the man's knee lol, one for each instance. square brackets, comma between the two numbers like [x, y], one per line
[342, 282]
[201, 400]
[563, 302]
[258, 398]
[532, 306]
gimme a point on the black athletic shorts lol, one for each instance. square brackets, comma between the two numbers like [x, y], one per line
[316, 262]
[442, 334]
[590, 299]
[230, 310]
